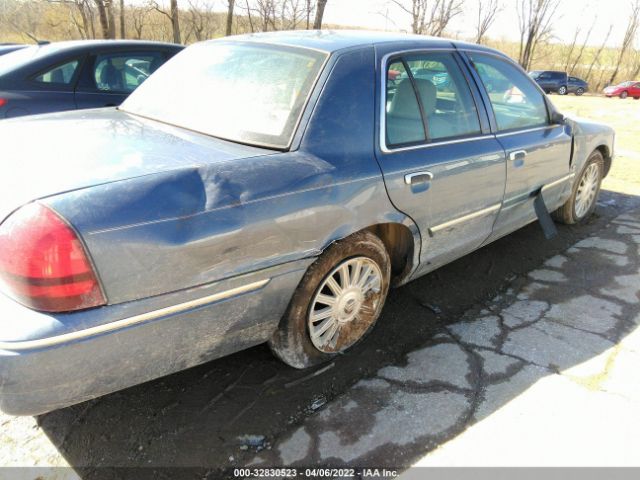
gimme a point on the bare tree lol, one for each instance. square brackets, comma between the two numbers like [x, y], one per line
[202, 21]
[292, 13]
[535, 19]
[317, 22]
[173, 15]
[636, 66]
[629, 37]
[230, 6]
[310, 8]
[487, 12]
[84, 26]
[122, 12]
[24, 18]
[138, 17]
[429, 18]
[596, 57]
[576, 61]
[104, 7]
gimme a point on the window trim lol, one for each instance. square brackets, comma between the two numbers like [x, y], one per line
[427, 143]
[487, 100]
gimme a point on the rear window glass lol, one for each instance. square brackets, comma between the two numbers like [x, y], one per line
[243, 92]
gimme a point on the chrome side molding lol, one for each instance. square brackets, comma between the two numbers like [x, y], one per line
[465, 218]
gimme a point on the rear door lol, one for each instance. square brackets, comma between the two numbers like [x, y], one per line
[109, 78]
[441, 165]
[538, 152]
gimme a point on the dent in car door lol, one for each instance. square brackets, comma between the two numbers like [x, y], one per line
[538, 153]
[440, 165]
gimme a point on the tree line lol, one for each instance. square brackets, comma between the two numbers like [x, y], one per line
[186, 21]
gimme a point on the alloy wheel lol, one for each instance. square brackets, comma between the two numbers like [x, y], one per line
[345, 305]
[587, 190]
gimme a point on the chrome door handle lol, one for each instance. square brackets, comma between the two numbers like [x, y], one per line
[418, 177]
[518, 155]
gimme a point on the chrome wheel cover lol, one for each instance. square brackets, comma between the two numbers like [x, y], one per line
[345, 305]
[587, 190]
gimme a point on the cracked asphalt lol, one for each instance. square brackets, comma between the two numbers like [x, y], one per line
[544, 373]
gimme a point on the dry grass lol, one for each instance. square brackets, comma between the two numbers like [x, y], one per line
[624, 117]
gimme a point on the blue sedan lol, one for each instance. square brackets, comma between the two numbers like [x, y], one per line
[53, 77]
[265, 188]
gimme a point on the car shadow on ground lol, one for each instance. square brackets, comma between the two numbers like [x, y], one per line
[201, 417]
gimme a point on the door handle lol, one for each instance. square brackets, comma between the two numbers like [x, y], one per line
[518, 155]
[418, 177]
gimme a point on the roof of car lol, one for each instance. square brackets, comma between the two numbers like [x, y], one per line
[334, 40]
[89, 44]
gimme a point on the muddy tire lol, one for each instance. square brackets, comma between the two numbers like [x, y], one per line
[337, 302]
[584, 195]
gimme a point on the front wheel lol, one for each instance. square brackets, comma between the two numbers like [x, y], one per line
[584, 195]
[337, 302]
[624, 95]
[562, 90]
[580, 91]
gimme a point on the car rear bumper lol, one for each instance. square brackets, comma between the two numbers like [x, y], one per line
[78, 361]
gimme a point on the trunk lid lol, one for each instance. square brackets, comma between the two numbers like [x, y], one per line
[44, 155]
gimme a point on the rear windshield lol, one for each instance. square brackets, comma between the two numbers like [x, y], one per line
[243, 92]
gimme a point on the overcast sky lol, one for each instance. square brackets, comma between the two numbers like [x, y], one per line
[571, 14]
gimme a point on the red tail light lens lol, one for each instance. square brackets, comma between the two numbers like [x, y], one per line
[3, 102]
[43, 263]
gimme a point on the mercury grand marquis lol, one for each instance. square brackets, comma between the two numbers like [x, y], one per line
[265, 188]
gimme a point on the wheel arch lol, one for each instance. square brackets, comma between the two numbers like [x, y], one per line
[606, 154]
[400, 244]
[401, 240]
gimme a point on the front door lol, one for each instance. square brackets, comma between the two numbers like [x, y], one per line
[441, 165]
[538, 153]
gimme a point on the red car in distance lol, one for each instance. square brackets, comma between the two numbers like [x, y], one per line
[624, 90]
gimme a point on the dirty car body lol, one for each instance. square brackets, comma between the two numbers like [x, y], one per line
[196, 242]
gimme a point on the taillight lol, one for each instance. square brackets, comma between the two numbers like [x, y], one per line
[3, 102]
[43, 263]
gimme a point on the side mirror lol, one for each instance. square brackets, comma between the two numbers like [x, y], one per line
[557, 118]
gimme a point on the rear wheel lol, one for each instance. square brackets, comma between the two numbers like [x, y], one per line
[624, 95]
[337, 302]
[562, 90]
[584, 195]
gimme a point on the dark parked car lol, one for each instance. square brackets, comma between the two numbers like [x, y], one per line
[577, 85]
[75, 75]
[551, 81]
[264, 188]
[10, 47]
